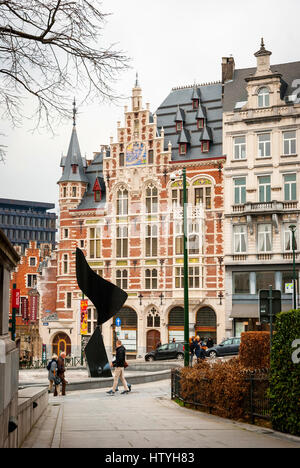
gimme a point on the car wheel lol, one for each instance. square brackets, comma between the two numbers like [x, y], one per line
[150, 359]
[212, 354]
[179, 356]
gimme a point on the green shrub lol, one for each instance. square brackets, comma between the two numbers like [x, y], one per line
[255, 350]
[285, 375]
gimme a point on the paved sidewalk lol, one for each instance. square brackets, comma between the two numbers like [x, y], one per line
[145, 418]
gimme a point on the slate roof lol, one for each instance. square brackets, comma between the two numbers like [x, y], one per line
[73, 157]
[211, 100]
[235, 90]
[93, 171]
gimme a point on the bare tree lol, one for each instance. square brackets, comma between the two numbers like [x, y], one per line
[50, 49]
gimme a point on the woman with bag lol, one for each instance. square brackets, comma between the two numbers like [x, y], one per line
[52, 375]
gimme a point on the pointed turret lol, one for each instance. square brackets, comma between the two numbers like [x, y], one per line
[73, 164]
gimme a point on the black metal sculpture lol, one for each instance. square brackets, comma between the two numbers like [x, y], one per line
[108, 300]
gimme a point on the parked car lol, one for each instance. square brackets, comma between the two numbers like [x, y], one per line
[166, 351]
[228, 347]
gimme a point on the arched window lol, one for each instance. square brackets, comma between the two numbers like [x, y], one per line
[61, 343]
[202, 193]
[151, 199]
[122, 279]
[263, 97]
[122, 202]
[153, 319]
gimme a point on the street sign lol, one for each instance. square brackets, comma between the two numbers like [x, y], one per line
[118, 331]
[289, 287]
[264, 304]
[118, 322]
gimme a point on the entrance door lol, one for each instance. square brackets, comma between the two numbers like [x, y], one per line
[153, 337]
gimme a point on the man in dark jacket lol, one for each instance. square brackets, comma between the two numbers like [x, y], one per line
[61, 372]
[119, 364]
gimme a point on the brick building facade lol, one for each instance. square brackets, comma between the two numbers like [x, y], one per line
[124, 210]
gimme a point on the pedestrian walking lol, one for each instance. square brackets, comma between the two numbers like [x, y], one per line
[199, 351]
[52, 374]
[192, 350]
[210, 342]
[61, 372]
[119, 364]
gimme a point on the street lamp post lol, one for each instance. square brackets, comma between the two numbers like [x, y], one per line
[292, 227]
[185, 267]
[186, 276]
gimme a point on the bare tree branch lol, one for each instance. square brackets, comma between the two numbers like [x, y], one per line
[48, 48]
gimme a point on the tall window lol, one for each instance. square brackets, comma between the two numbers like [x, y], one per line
[178, 238]
[239, 239]
[69, 300]
[263, 97]
[151, 199]
[121, 159]
[151, 240]
[122, 202]
[193, 238]
[91, 321]
[65, 264]
[194, 277]
[177, 197]
[74, 192]
[264, 237]
[264, 145]
[290, 188]
[122, 279]
[264, 189]
[122, 241]
[179, 277]
[151, 278]
[289, 143]
[150, 156]
[95, 242]
[239, 147]
[203, 195]
[31, 281]
[240, 191]
[288, 239]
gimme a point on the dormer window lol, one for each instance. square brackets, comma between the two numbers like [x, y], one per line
[205, 146]
[195, 103]
[182, 148]
[200, 123]
[74, 168]
[263, 97]
[97, 196]
[178, 126]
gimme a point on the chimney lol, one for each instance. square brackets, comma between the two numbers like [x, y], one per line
[227, 68]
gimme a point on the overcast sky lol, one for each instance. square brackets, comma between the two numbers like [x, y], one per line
[171, 43]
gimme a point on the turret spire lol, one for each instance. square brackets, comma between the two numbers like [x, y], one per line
[74, 112]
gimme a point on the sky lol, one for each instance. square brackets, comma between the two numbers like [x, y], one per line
[171, 43]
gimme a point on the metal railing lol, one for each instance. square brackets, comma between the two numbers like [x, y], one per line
[42, 364]
[255, 405]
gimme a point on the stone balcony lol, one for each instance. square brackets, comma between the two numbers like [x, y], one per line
[265, 207]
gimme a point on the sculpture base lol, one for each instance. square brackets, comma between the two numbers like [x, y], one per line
[96, 356]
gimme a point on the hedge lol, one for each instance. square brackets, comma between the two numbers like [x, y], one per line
[255, 350]
[220, 386]
[285, 374]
